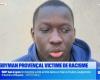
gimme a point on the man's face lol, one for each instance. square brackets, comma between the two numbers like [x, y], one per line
[54, 33]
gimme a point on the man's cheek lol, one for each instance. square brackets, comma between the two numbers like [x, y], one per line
[41, 44]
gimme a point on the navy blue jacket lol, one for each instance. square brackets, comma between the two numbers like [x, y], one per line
[80, 52]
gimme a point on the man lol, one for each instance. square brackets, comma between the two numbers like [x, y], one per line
[53, 34]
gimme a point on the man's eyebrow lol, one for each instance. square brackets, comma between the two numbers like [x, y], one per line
[66, 24]
[44, 23]
[70, 26]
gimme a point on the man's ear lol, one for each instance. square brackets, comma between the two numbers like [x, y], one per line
[32, 33]
[74, 35]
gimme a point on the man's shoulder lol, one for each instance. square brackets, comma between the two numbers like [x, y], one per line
[30, 56]
[23, 58]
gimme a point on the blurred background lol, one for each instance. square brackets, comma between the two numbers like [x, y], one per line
[16, 22]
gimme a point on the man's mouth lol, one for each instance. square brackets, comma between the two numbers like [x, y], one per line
[56, 54]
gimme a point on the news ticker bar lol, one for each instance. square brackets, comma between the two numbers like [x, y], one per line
[49, 70]
[48, 65]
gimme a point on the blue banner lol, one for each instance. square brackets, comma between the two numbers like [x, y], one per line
[48, 70]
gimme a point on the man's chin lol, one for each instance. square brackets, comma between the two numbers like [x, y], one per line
[55, 59]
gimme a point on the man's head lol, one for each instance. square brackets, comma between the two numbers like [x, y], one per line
[53, 31]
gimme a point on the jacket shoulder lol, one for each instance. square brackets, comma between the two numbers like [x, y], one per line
[23, 58]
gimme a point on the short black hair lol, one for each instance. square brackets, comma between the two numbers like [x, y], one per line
[51, 3]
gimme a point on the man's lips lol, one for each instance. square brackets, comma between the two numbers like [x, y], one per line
[56, 54]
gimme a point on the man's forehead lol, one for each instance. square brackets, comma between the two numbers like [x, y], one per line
[54, 10]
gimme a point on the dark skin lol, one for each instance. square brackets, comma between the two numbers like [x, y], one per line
[53, 32]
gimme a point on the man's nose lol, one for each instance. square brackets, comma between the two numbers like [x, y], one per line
[55, 38]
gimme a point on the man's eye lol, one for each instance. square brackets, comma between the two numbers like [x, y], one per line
[44, 30]
[65, 30]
